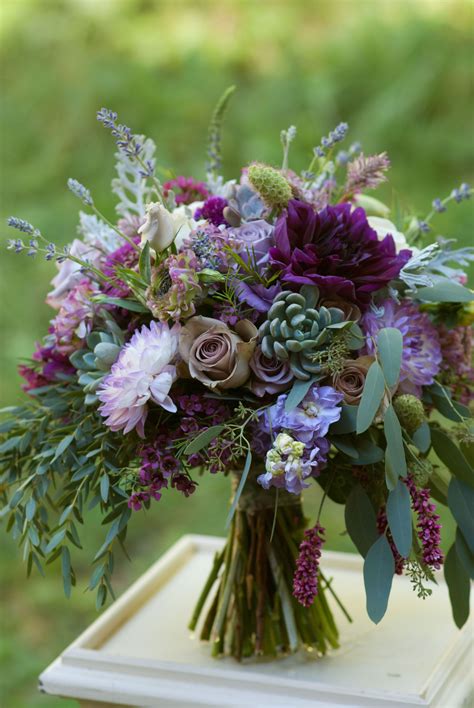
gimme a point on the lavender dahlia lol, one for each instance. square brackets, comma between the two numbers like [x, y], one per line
[421, 358]
[336, 250]
[144, 372]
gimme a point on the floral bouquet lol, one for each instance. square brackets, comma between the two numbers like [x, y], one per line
[276, 328]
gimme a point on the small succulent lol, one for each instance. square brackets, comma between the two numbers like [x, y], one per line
[244, 205]
[96, 359]
[296, 329]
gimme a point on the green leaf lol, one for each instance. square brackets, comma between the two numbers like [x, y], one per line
[458, 585]
[450, 409]
[66, 570]
[368, 452]
[104, 487]
[449, 453]
[347, 422]
[445, 291]
[30, 509]
[379, 568]
[361, 522]
[461, 503]
[144, 263]
[395, 462]
[390, 347]
[97, 574]
[422, 437]
[464, 553]
[63, 446]
[10, 444]
[101, 597]
[131, 305]
[297, 393]
[344, 444]
[439, 488]
[371, 397]
[399, 518]
[55, 541]
[203, 439]
[243, 479]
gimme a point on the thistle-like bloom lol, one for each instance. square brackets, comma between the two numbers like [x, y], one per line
[336, 250]
[421, 357]
[175, 287]
[366, 172]
[143, 373]
[305, 580]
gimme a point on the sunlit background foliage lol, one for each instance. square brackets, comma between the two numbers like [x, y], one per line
[400, 73]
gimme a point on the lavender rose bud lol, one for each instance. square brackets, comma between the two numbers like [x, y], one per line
[269, 375]
[217, 356]
[255, 237]
[350, 382]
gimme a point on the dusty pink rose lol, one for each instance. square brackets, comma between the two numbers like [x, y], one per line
[351, 380]
[268, 375]
[215, 355]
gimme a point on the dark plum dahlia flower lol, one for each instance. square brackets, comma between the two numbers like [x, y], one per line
[336, 250]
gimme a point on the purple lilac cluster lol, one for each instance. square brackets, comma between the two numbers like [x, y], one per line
[429, 528]
[305, 579]
[158, 467]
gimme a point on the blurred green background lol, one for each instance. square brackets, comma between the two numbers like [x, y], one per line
[400, 73]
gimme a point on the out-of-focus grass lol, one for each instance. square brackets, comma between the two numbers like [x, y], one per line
[399, 73]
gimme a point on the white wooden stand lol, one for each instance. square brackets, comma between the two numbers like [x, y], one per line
[140, 653]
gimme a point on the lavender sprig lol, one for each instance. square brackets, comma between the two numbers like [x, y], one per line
[80, 192]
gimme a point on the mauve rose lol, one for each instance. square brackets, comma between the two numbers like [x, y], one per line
[269, 375]
[215, 355]
[254, 237]
[351, 380]
[350, 310]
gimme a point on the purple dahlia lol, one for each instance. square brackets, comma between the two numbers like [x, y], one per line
[421, 358]
[336, 250]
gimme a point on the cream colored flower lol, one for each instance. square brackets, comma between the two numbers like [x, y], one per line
[383, 227]
[159, 228]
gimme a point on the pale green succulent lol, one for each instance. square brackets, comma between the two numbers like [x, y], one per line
[296, 329]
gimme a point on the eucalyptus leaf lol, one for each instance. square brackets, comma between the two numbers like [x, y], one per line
[465, 555]
[395, 452]
[459, 586]
[297, 393]
[104, 487]
[66, 570]
[461, 503]
[361, 521]
[62, 446]
[449, 453]
[347, 423]
[203, 439]
[344, 444]
[390, 348]
[379, 567]
[372, 395]
[422, 437]
[399, 518]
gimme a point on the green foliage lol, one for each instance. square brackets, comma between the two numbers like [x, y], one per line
[399, 518]
[379, 568]
[458, 585]
[361, 520]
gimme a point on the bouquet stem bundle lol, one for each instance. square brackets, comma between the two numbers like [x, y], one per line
[252, 611]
